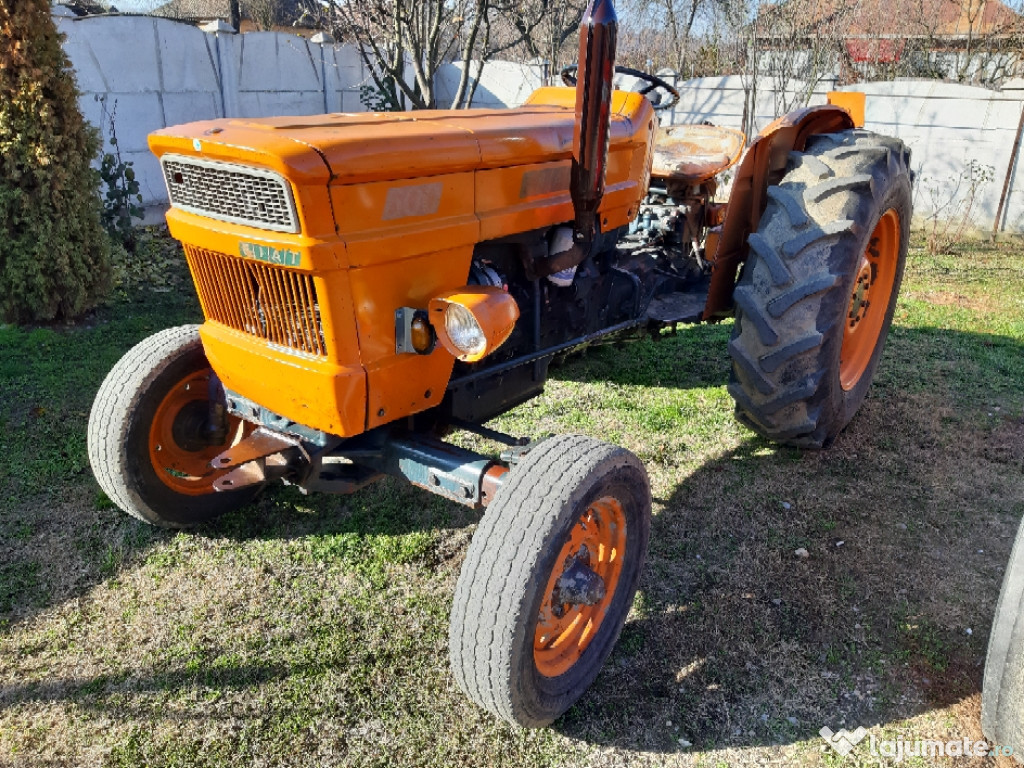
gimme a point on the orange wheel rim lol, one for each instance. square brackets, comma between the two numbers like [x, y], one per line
[591, 558]
[869, 299]
[179, 456]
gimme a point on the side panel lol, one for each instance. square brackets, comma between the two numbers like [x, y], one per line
[388, 221]
[399, 385]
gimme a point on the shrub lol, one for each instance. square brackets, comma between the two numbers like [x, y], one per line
[54, 253]
[122, 203]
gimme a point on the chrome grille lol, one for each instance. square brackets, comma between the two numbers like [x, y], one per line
[274, 304]
[235, 193]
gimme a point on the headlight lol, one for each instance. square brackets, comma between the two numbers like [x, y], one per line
[473, 321]
[463, 330]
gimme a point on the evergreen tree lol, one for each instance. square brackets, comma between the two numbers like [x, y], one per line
[54, 253]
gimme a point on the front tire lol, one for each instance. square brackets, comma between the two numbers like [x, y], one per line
[549, 579]
[816, 297]
[1002, 695]
[147, 445]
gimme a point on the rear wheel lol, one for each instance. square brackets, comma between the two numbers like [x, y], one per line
[549, 579]
[816, 297]
[148, 444]
[1002, 696]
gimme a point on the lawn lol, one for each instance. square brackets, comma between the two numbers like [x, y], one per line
[309, 631]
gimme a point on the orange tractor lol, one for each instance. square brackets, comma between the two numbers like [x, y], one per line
[373, 281]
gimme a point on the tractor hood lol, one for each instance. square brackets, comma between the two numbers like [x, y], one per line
[351, 148]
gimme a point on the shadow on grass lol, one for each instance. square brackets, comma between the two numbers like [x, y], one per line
[738, 641]
[903, 528]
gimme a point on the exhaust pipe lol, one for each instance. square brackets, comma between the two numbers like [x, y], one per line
[593, 115]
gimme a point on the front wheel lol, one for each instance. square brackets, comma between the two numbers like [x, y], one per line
[816, 297]
[549, 579]
[149, 445]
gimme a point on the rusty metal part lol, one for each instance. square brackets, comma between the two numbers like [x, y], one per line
[764, 164]
[258, 445]
[492, 481]
[253, 473]
[695, 153]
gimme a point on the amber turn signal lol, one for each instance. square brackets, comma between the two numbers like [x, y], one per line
[473, 321]
[421, 335]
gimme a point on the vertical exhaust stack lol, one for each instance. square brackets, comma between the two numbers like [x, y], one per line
[593, 115]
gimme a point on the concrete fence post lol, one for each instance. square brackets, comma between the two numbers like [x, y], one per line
[323, 39]
[224, 42]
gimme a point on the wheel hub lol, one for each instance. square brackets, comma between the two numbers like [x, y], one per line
[178, 448]
[581, 587]
[189, 427]
[578, 585]
[869, 299]
[859, 303]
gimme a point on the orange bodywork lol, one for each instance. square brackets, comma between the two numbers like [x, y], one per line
[389, 208]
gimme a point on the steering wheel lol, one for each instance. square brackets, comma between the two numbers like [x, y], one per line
[655, 83]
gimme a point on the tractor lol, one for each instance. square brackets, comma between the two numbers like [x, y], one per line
[371, 282]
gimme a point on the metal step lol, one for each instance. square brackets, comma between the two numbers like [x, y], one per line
[679, 307]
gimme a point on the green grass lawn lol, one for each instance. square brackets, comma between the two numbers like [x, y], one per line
[309, 631]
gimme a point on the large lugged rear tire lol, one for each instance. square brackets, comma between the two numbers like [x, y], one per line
[1002, 695]
[549, 579]
[146, 443]
[816, 297]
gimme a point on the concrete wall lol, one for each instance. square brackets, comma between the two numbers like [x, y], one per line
[160, 72]
[502, 84]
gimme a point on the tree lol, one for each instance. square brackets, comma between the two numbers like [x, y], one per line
[404, 43]
[54, 254]
[545, 30]
[664, 31]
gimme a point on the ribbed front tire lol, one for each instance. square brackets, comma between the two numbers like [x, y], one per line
[146, 438]
[518, 646]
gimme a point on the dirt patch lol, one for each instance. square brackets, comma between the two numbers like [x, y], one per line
[950, 299]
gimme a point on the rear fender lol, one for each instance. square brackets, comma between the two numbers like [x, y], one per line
[763, 164]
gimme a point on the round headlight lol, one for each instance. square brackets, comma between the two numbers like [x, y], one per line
[463, 330]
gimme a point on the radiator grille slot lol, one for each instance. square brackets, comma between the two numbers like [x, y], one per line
[235, 193]
[274, 304]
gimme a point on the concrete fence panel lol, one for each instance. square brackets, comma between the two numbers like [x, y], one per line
[148, 73]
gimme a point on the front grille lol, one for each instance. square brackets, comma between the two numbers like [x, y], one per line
[275, 304]
[235, 193]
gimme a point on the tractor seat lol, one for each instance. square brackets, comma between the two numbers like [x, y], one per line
[695, 153]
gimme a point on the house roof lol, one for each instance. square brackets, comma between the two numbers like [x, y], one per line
[941, 18]
[288, 11]
[194, 10]
[88, 7]
[895, 18]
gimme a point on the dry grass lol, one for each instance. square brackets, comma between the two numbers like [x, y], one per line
[312, 632]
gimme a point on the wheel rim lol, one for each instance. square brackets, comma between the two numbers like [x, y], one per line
[869, 299]
[581, 587]
[177, 450]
